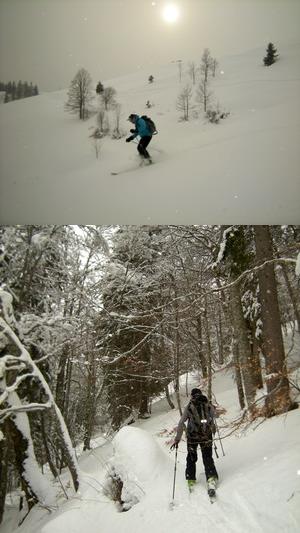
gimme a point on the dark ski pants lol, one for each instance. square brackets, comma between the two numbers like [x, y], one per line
[143, 145]
[208, 462]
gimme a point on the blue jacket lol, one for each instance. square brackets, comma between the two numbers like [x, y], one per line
[141, 128]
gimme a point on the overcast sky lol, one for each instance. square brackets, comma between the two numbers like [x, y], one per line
[46, 41]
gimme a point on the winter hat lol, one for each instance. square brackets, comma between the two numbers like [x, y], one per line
[195, 393]
[132, 117]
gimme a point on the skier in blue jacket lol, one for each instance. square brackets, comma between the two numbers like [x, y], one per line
[141, 129]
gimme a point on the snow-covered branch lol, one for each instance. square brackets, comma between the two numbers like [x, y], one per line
[222, 246]
[4, 413]
[251, 270]
[125, 354]
[7, 308]
[9, 392]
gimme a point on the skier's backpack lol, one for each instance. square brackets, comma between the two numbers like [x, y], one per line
[203, 421]
[150, 124]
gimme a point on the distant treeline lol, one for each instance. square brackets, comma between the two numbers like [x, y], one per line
[17, 90]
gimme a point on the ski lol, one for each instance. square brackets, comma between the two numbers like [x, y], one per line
[131, 169]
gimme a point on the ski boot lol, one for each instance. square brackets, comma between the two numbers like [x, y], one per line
[191, 484]
[211, 486]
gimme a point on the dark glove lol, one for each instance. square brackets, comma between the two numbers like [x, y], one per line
[129, 139]
[132, 131]
[174, 445]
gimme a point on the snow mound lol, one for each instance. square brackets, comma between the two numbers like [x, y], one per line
[138, 462]
[132, 446]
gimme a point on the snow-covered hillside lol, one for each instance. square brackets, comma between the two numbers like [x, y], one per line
[244, 170]
[259, 489]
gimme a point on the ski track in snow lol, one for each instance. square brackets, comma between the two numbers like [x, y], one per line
[244, 170]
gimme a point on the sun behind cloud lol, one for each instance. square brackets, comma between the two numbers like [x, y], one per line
[170, 13]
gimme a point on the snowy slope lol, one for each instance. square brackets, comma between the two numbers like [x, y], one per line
[244, 170]
[259, 489]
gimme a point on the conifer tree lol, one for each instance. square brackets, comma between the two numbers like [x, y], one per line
[99, 88]
[271, 56]
[129, 345]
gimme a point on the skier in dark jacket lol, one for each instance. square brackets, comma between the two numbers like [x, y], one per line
[200, 415]
[141, 129]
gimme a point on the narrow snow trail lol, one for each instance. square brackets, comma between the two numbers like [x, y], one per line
[258, 479]
[259, 489]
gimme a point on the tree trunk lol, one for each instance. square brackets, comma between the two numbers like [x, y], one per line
[144, 406]
[255, 349]
[90, 410]
[21, 446]
[177, 355]
[169, 397]
[65, 445]
[202, 359]
[69, 370]
[4, 452]
[241, 336]
[219, 332]
[208, 354]
[278, 400]
[186, 381]
[238, 375]
[46, 445]
[61, 379]
[292, 295]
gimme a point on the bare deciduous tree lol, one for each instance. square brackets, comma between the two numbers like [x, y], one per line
[184, 101]
[214, 64]
[116, 132]
[108, 96]
[204, 95]
[80, 94]
[206, 63]
[100, 119]
[179, 63]
[192, 71]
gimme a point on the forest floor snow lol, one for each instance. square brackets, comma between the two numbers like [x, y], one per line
[259, 488]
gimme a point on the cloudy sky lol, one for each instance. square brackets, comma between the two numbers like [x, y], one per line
[46, 41]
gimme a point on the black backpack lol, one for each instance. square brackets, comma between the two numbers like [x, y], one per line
[150, 124]
[202, 418]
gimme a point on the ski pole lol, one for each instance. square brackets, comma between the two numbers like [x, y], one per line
[219, 438]
[216, 449]
[175, 467]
